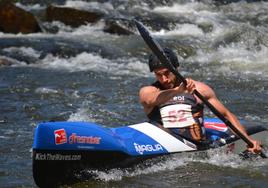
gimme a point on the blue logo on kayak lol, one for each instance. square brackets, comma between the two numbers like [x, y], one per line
[147, 148]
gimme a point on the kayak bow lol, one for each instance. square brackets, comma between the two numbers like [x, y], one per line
[63, 150]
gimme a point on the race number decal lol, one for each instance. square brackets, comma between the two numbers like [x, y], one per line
[177, 116]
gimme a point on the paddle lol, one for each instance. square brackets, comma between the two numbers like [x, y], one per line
[159, 52]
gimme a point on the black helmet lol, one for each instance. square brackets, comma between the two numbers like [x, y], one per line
[154, 63]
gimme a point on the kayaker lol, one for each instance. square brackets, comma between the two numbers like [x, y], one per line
[172, 106]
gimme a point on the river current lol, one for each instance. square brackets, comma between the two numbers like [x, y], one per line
[86, 74]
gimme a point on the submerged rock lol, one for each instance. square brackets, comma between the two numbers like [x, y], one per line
[16, 20]
[5, 62]
[206, 27]
[118, 27]
[185, 51]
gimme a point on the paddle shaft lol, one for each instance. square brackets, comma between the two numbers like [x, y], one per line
[212, 108]
[158, 51]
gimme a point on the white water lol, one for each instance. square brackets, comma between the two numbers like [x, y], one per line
[93, 62]
[177, 161]
[181, 30]
[30, 7]
[27, 99]
[24, 51]
[105, 7]
[118, 174]
[231, 59]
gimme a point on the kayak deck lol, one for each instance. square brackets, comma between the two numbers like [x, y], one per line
[62, 150]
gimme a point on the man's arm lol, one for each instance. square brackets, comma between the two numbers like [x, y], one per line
[151, 96]
[210, 95]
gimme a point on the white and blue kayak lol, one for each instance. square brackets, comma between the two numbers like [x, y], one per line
[61, 150]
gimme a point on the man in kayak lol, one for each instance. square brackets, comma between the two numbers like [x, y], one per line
[172, 106]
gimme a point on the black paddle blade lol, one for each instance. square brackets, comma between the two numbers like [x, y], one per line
[157, 50]
[153, 44]
[264, 152]
[247, 155]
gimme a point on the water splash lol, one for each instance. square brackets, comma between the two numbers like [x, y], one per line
[82, 115]
[181, 29]
[94, 62]
[149, 167]
[190, 8]
[178, 161]
[234, 59]
[25, 51]
[44, 90]
[104, 7]
[30, 7]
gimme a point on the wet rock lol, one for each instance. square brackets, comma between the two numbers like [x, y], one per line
[118, 27]
[158, 22]
[185, 51]
[16, 20]
[5, 62]
[72, 17]
[183, 48]
[206, 27]
[232, 36]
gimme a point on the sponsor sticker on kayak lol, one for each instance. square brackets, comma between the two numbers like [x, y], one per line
[141, 148]
[61, 138]
[74, 138]
[216, 126]
[56, 157]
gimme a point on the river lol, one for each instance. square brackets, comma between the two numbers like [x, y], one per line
[86, 74]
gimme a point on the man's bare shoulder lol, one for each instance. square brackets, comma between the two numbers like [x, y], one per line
[203, 88]
[148, 89]
[200, 85]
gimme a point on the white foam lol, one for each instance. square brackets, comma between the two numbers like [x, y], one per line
[44, 90]
[176, 9]
[236, 58]
[81, 62]
[30, 7]
[218, 157]
[95, 29]
[214, 157]
[82, 115]
[27, 51]
[93, 62]
[82, 5]
[118, 174]
[198, 13]
[181, 29]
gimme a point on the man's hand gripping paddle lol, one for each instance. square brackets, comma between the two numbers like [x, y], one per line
[159, 52]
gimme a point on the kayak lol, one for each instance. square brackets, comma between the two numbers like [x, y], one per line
[62, 150]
